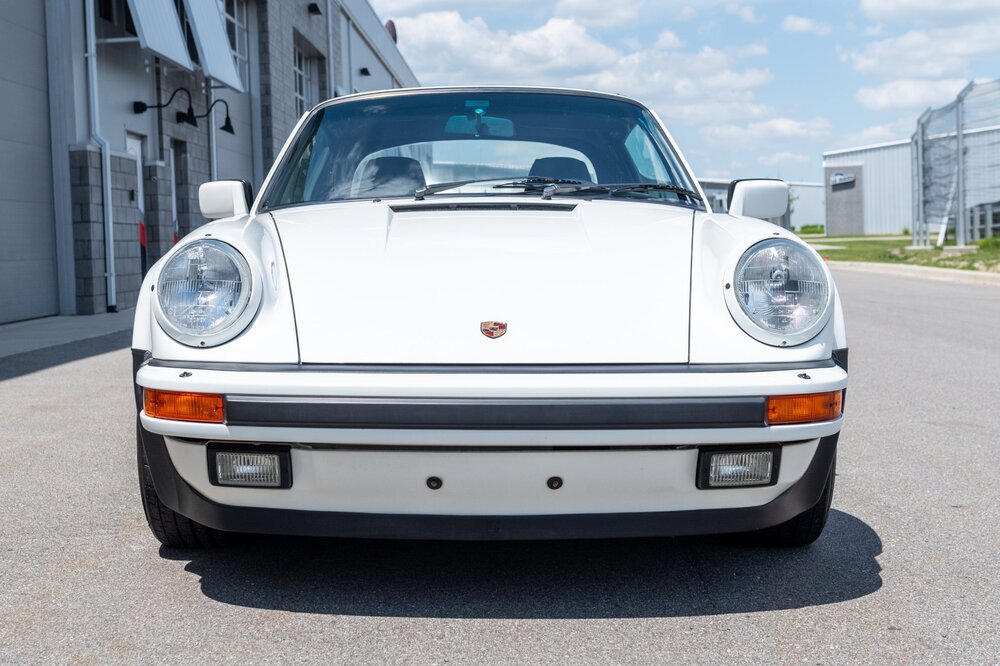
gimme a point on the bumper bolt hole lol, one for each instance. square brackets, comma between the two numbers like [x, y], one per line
[434, 483]
[554, 483]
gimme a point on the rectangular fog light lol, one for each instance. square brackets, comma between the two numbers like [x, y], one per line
[738, 468]
[250, 467]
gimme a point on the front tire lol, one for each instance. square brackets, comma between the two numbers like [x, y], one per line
[169, 527]
[804, 528]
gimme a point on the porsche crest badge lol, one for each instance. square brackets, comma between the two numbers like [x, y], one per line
[493, 329]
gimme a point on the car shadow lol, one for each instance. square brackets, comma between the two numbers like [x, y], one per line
[26, 363]
[547, 579]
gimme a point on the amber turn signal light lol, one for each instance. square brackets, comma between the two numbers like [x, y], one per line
[201, 407]
[806, 408]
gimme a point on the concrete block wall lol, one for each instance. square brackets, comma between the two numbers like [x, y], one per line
[127, 216]
[283, 24]
[88, 230]
[159, 221]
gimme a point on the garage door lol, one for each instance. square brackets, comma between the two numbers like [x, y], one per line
[28, 286]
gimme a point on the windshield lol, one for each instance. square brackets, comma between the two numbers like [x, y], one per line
[391, 146]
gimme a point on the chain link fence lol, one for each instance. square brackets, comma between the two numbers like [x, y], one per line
[957, 168]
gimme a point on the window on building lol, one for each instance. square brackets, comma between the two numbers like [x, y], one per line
[188, 33]
[235, 14]
[305, 82]
[116, 12]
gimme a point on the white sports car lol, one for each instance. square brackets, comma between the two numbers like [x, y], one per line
[487, 313]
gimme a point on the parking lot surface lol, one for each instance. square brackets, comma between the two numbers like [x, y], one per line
[908, 569]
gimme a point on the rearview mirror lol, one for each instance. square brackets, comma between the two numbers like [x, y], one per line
[225, 198]
[480, 126]
[761, 198]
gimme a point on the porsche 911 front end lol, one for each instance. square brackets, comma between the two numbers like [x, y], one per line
[487, 313]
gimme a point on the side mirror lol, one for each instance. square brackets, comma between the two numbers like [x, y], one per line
[225, 198]
[760, 198]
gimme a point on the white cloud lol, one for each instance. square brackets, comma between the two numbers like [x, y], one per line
[744, 11]
[910, 93]
[899, 129]
[599, 13]
[750, 51]
[782, 158]
[703, 87]
[773, 129]
[920, 10]
[691, 87]
[732, 80]
[444, 48]
[668, 40]
[932, 53]
[707, 112]
[802, 24]
[714, 89]
[395, 8]
[686, 14]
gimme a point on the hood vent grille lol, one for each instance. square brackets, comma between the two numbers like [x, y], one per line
[436, 208]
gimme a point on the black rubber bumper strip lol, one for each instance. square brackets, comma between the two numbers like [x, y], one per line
[179, 496]
[497, 369]
[496, 414]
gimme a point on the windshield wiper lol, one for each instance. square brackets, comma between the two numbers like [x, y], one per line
[553, 186]
[557, 188]
[614, 190]
[659, 187]
[525, 182]
[538, 182]
[422, 192]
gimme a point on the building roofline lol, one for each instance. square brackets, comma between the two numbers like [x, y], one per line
[871, 146]
[372, 30]
[724, 182]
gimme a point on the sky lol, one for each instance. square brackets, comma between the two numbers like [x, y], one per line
[749, 89]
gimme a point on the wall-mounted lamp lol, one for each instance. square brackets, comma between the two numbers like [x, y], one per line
[183, 117]
[314, 9]
[226, 126]
[364, 71]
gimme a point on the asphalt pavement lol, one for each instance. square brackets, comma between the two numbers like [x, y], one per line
[908, 570]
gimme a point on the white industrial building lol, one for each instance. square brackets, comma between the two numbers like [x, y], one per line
[115, 111]
[806, 202]
[946, 177]
[869, 189]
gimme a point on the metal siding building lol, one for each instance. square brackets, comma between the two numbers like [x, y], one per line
[97, 95]
[28, 276]
[807, 206]
[882, 185]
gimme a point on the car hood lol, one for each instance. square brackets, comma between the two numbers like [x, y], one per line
[413, 282]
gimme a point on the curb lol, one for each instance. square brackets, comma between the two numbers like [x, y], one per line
[922, 272]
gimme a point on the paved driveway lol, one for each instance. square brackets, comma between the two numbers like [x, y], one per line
[908, 569]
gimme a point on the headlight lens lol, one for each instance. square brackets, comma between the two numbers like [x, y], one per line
[783, 290]
[202, 291]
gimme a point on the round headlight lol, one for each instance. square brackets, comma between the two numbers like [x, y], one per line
[203, 294]
[782, 291]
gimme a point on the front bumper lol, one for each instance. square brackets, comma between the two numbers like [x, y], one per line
[178, 495]
[362, 443]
